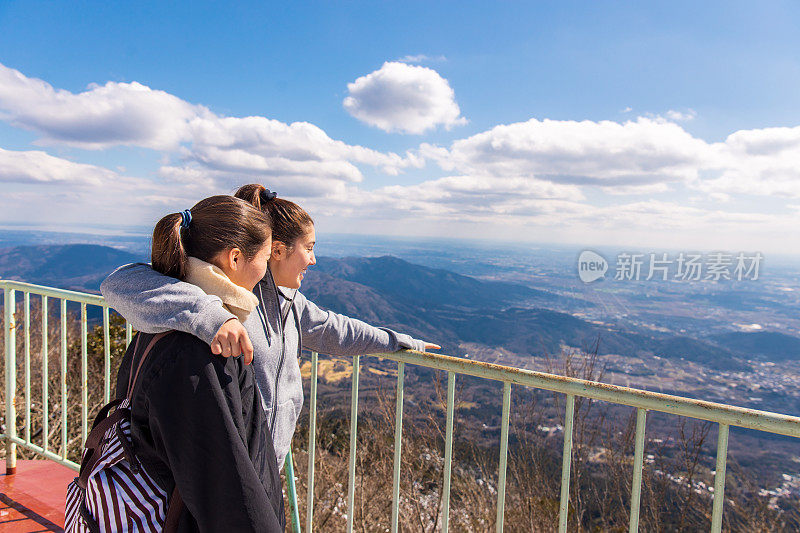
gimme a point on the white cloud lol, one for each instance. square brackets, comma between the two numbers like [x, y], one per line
[452, 200]
[670, 215]
[460, 207]
[649, 155]
[81, 193]
[421, 58]
[681, 116]
[765, 141]
[265, 147]
[204, 181]
[403, 98]
[467, 197]
[606, 153]
[32, 167]
[760, 162]
[719, 197]
[300, 155]
[647, 189]
[109, 115]
[35, 167]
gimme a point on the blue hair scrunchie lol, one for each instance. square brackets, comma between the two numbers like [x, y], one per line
[186, 218]
[267, 195]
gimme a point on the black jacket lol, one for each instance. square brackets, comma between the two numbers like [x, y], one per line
[197, 420]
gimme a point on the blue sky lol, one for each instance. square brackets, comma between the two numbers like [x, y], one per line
[635, 112]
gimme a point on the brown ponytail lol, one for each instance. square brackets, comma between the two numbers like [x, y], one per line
[168, 255]
[289, 220]
[217, 223]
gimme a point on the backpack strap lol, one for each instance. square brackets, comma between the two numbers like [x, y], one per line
[105, 422]
[133, 377]
[103, 413]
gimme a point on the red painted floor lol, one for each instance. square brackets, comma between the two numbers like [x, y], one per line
[33, 499]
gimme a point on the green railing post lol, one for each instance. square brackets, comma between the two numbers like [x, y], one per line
[288, 465]
[638, 463]
[45, 373]
[64, 378]
[398, 443]
[566, 464]
[351, 484]
[27, 368]
[719, 478]
[10, 306]
[312, 441]
[106, 356]
[448, 450]
[84, 376]
[501, 471]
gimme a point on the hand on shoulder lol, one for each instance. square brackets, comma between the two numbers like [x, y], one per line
[232, 340]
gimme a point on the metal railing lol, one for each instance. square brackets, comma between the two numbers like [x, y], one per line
[12, 439]
[724, 415]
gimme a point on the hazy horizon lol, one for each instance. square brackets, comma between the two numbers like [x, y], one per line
[331, 244]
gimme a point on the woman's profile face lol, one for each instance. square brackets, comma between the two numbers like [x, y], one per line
[243, 271]
[256, 268]
[289, 265]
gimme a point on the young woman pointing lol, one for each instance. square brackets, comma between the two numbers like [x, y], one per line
[284, 324]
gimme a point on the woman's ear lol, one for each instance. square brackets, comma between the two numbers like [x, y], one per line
[234, 259]
[278, 250]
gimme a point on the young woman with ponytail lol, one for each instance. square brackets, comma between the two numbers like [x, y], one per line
[197, 421]
[287, 321]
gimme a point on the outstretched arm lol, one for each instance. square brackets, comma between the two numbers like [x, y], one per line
[336, 334]
[155, 303]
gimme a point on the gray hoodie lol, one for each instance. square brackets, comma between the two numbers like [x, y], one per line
[284, 323]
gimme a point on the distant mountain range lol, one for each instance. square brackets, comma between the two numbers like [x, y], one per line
[434, 304]
[444, 306]
[80, 267]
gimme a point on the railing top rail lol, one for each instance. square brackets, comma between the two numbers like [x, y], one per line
[92, 299]
[653, 401]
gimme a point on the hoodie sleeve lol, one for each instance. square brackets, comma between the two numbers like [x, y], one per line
[331, 333]
[154, 303]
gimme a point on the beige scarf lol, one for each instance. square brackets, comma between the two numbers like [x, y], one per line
[213, 280]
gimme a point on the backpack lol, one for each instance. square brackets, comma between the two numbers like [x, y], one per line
[113, 493]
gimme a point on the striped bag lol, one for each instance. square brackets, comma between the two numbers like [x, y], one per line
[113, 493]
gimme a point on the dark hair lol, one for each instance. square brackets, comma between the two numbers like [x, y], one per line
[217, 223]
[289, 220]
